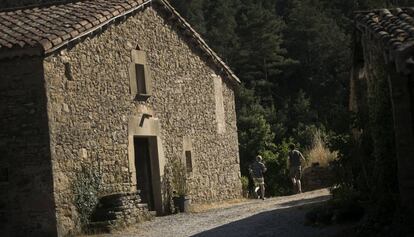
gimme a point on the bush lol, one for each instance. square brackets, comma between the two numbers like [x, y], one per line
[245, 185]
[277, 175]
[319, 152]
[86, 188]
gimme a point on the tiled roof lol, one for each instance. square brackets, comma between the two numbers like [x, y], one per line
[45, 29]
[53, 25]
[395, 28]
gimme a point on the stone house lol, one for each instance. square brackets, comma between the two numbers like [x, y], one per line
[384, 53]
[98, 99]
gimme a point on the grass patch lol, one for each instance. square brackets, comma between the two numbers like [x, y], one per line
[319, 152]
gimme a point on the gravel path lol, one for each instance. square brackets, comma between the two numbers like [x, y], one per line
[280, 216]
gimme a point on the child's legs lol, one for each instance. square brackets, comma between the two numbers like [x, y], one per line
[299, 186]
[262, 188]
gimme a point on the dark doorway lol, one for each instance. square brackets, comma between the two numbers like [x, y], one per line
[144, 170]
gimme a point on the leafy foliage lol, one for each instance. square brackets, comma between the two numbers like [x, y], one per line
[86, 189]
[245, 185]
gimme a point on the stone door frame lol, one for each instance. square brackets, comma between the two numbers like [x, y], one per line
[144, 125]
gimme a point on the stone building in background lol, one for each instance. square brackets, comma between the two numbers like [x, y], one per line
[382, 89]
[98, 99]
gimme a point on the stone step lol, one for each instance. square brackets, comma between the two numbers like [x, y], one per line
[118, 203]
[114, 213]
[100, 226]
[119, 199]
[117, 210]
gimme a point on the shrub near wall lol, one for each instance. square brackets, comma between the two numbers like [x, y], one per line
[86, 190]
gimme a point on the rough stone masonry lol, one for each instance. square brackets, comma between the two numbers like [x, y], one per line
[76, 109]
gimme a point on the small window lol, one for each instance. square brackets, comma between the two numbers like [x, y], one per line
[188, 161]
[4, 175]
[140, 76]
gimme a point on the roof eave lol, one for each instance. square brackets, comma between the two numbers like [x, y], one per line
[97, 28]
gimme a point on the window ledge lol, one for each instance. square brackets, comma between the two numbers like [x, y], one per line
[142, 97]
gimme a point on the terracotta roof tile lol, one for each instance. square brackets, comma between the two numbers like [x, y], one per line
[50, 27]
[394, 27]
[5, 43]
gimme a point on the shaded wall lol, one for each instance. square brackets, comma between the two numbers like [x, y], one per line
[382, 99]
[377, 119]
[26, 194]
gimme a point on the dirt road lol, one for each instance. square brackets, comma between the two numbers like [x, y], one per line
[280, 216]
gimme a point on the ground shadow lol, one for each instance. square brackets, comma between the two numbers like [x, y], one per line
[288, 220]
[306, 201]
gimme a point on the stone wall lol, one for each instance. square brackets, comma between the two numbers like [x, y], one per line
[90, 108]
[26, 199]
[118, 211]
[317, 177]
[380, 93]
[374, 153]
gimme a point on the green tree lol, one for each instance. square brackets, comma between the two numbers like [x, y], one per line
[260, 57]
[221, 27]
[255, 135]
[192, 11]
[322, 49]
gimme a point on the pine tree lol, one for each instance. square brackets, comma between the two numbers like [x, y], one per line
[260, 57]
[192, 11]
[221, 26]
[322, 49]
[255, 135]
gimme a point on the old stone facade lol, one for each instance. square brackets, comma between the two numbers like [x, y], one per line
[76, 110]
[382, 84]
